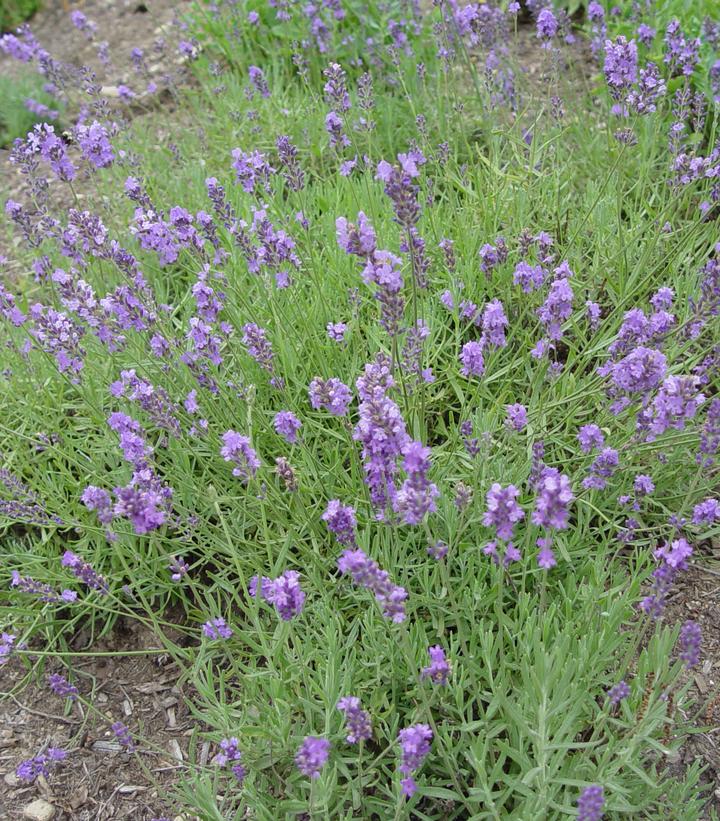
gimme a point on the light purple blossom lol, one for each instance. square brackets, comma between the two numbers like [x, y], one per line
[417, 495]
[414, 747]
[618, 692]
[381, 431]
[689, 642]
[367, 573]
[471, 357]
[503, 512]
[516, 416]
[237, 449]
[337, 331]
[438, 671]
[357, 720]
[284, 593]
[591, 803]
[706, 512]
[341, 522]
[217, 629]
[312, 756]
[287, 425]
[84, 572]
[554, 496]
[590, 437]
[30, 769]
[62, 687]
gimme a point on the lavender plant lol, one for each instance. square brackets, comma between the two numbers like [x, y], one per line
[397, 379]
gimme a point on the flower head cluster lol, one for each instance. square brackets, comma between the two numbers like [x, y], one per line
[401, 188]
[230, 755]
[553, 499]
[341, 522]
[252, 170]
[57, 334]
[258, 346]
[44, 592]
[95, 144]
[32, 768]
[618, 692]
[602, 468]
[414, 747]
[123, 735]
[591, 803]
[590, 437]
[503, 512]
[557, 308]
[287, 425]
[331, 395]
[689, 643]
[547, 24]
[217, 629]
[237, 449]
[367, 573]
[494, 322]
[381, 431]
[438, 671]
[517, 418]
[677, 401]
[62, 687]
[357, 720]
[529, 277]
[472, 360]
[312, 756]
[284, 593]
[85, 572]
[417, 495]
[621, 61]
[44, 141]
[383, 269]
[675, 553]
[356, 239]
[706, 512]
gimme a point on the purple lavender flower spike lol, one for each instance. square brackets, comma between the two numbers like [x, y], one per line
[517, 418]
[417, 494]
[30, 769]
[122, 734]
[414, 747]
[62, 687]
[438, 671]
[471, 357]
[312, 756]
[341, 522]
[285, 594]
[689, 642]
[237, 449]
[331, 395]
[85, 573]
[357, 720]
[287, 425]
[591, 803]
[367, 573]
[503, 511]
[618, 692]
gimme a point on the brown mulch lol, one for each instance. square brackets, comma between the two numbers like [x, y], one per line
[99, 780]
[696, 597]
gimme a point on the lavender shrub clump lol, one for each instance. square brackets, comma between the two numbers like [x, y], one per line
[396, 352]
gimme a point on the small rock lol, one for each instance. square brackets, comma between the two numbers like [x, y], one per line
[39, 810]
[11, 779]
